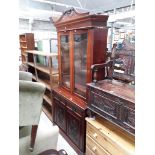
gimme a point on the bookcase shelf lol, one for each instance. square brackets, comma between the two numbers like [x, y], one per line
[45, 72]
[47, 113]
[46, 82]
[43, 68]
[48, 100]
[26, 42]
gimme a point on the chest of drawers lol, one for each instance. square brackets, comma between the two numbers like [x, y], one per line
[103, 138]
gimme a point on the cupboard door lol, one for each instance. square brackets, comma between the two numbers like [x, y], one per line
[80, 62]
[60, 115]
[73, 128]
[65, 60]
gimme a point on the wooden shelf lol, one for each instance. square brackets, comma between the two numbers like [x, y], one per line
[23, 47]
[23, 41]
[46, 82]
[47, 113]
[42, 53]
[24, 54]
[34, 78]
[48, 100]
[42, 68]
[31, 64]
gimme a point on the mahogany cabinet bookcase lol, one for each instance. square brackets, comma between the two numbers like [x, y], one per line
[82, 42]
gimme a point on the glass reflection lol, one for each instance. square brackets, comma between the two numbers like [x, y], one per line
[80, 57]
[65, 63]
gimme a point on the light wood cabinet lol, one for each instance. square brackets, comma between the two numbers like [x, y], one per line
[103, 138]
[46, 73]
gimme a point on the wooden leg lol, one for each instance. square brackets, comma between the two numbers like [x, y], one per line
[33, 136]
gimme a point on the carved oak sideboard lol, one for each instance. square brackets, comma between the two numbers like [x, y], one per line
[114, 101]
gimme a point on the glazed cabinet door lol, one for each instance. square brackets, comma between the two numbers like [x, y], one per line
[80, 39]
[60, 114]
[73, 127]
[65, 60]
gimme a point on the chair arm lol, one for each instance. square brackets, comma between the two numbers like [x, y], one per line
[27, 76]
[97, 67]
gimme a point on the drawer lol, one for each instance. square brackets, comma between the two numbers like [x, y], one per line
[89, 152]
[74, 108]
[110, 142]
[94, 147]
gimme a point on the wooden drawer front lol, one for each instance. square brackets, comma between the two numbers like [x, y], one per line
[94, 147]
[75, 109]
[88, 151]
[109, 144]
[105, 105]
[55, 95]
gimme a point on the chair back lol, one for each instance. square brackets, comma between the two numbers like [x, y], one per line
[30, 102]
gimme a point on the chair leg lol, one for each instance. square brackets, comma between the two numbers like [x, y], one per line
[33, 136]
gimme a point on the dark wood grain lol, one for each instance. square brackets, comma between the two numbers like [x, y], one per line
[33, 136]
[88, 36]
[114, 101]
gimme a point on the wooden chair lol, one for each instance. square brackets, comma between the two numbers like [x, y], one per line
[121, 65]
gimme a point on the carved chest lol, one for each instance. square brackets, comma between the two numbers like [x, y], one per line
[114, 101]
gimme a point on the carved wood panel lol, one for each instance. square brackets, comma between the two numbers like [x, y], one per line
[60, 115]
[105, 104]
[118, 110]
[73, 128]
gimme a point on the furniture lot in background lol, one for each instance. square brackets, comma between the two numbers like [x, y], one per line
[30, 103]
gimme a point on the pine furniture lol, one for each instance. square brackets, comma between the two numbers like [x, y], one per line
[46, 73]
[104, 138]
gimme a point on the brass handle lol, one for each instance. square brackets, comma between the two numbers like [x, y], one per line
[95, 135]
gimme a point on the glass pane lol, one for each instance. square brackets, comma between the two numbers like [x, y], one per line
[65, 63]
[80, 58]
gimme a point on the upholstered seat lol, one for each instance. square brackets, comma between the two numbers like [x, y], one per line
[30, 103]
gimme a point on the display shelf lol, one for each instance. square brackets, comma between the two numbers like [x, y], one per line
[23, 46]
[34, 78]
[42, 68]
[48, 100]
[47, 113]
[23, 41]
[45, 74]
[46, 82]
[24, 54]
[30, 63]
[26, 42]
[42, 53]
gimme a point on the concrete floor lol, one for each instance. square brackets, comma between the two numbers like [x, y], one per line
[45, 133]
